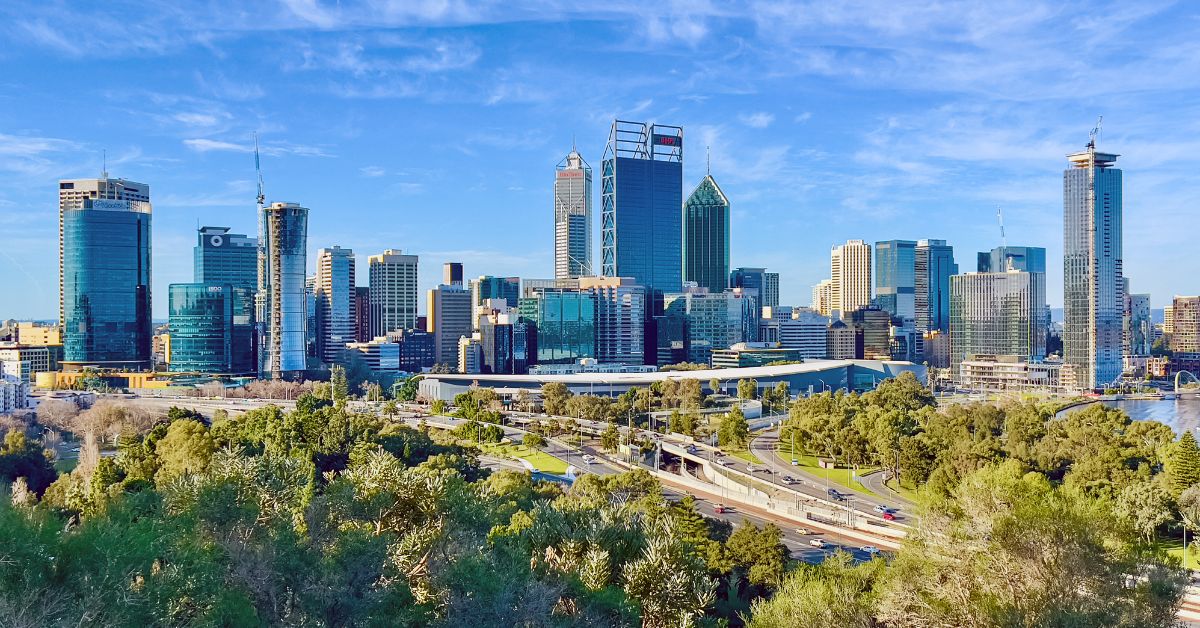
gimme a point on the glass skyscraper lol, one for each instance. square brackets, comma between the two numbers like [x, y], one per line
[565, 322]
[335, 294]
[572, 218]
[997, 314]
[1031, 259]
[934, 264]
[211, 327]
[895, 278]
[489, 287]
[106, 283]
[222, 257]
[281, 303]
[706, 236]
[641, 200]
[1093, 299]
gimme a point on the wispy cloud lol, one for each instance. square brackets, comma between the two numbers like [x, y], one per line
[372, 171]
[204, 145]
[757, 120]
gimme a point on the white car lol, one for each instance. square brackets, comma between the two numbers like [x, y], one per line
[725, 461]
[818, 543]
[589, 459]
[870, 549]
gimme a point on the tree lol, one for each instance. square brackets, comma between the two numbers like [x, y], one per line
[714, 386]
[835, 592]
[390, 409]
[554, 397]
[1183, 464]
[759, 552]
[1146, 506]
[186, 449]
[918, 459]
[747, 389]
[610, 437]
[22, 458]
[339, 387]
[667, 581]
[534, 441]
[734, 430]
[438, 407]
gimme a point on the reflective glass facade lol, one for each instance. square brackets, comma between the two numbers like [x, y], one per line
[106, 284]
[211, 327]
[283, 308]
[934, 267]
[489, 287]
[565, 323]
[1031, 259]
[222, 257]
[895, 278]
[706, 236]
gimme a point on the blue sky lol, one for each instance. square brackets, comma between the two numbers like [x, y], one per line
[434, 126]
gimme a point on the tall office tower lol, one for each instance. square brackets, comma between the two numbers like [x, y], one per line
[452, 274]
[641, 225]
[335, 294]
[841, 341]
[282, 309]
[822, 297]
[873, 333]
[712, 320]
[1092, 299]
[756, 282]
[225, 258]
[620, 319]
[850, 268]
[105, 273]
[1138, 331]
[1031, 259]
[311, 317]
[795, 328]
[448, 318]
[504, 339]
[1185, 325]
[74, 194]
[895, 278]
[706, 236]
[572, 217]
[1168, 326]
[489, 287]
[934, 266]
[212, 328]
[565, 321]
[392, 278]
[997, 314]
[362, 314]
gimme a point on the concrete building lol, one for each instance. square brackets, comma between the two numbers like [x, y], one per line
[25, 361]
[801, 329]
[1009, 373]
[712, 320]
[841, 341]
[335, 293]
[448, 319]
[14, 392]
[1093, 302]
[105, 243]
[452, 274]
[997, 314]
[392, 279]
[1185, 324]
[850, 268]
[470, 354]
[224, 258]
[572, 217]
[620, 319]
[35, 335]
[282, 303]
[822, 297]
[706, 236]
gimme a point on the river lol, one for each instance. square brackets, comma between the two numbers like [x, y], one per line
[1180, 414]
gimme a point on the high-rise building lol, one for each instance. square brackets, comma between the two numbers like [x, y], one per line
[1137, 334]
[822, 297]
[105, 273]
[281, 303]
[362, 314]
[620, 319]
[311, 318]
[452, 274]
[641, 199]
[1031, 259]
[489, 287]
[997, 314]
[802, 329]
[850, 271]
[448, 318]
[392, 278]
[712, 320]
[335, 294]
[895, 278]
[221, 257]
[873, 333]
[565, 322]
[1092, 301]
[757, 283]
[934, 265]
[706, 236]
[572, 217]
[211, 327]
[1185, 324]
[75, 194]
[841, 341]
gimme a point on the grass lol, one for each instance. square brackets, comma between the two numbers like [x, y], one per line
[539, 459]
[66, 465]
[906, 491]
[744, 454]
[841, 475]
[1174, 547]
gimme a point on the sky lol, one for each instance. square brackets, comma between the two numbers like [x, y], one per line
[434, 126]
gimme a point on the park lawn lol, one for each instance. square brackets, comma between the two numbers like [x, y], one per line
[539, 459]
[1174, 547]
[66, 465]
[907, 492]
[744, 454]
[840, 475]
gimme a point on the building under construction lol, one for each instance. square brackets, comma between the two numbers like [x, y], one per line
[282, 312]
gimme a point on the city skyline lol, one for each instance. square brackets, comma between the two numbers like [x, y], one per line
[189, 136]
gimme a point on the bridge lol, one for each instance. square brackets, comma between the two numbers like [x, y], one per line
[1185, 381]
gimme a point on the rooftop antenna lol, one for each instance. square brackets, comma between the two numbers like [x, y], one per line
[1000, 218]
[573, 144]
[708, 160]
[104, 163]
[1095, 131]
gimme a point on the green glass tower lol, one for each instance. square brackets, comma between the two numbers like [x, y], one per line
[706, 236]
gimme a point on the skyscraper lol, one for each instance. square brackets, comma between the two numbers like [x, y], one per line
[1137, 332]
[757, 283]
[620, 319]
[282, 309]
[452, 274]
[105, 273]
[850, 271]
[362, 314]
[895, 279]
[934, 264]
[1093, 302]
[997, 314]
[225, 258]
[706, 236]
[572, 217]
[392, 277]
[1031, 259]
[448, 318]
[1185, 324]
[489, 287]
[335, 302]
[212, 328]
[641, 199]
[711, 320]
[822, 297]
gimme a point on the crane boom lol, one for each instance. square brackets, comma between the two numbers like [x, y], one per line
[1000, 218]
[258, 170]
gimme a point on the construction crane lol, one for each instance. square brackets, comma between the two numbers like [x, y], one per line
[1095, 131]
[258, 171]
[1000, 218]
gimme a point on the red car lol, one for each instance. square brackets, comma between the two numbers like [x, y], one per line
[887, 516]
[720, 509]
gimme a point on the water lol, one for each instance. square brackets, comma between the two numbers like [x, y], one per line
[1180, 414]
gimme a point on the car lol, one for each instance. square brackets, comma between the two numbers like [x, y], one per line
[880, 508]
[887, 516]
[787, 479]
[726, 462]
[720, 509]
[795, 463]
[589, 459]
[803, 531]
[818, 543]
[870, 549]
[836, 496]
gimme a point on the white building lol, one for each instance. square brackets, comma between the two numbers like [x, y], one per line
[14, 393]
[714, 320]
[572, 218]
[822, 297]
[448, 319]
[850, 275]
[1009, 373]
[392, 277]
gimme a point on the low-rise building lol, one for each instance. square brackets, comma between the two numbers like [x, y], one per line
[14, 393]
[745, 354]
[26, 362]
[1005, 373]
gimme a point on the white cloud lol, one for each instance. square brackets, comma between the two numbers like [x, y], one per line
[757, 120]
[372, 171]
[204, 145]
